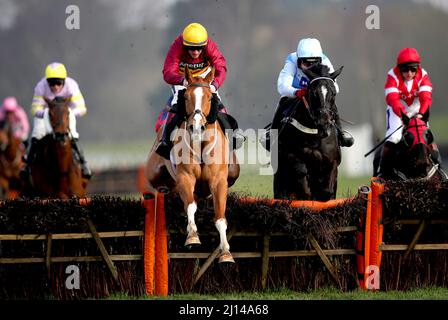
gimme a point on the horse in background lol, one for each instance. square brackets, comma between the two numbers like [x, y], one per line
[412, 157]
[200, 163]
[308, 148]
[55, 171]
[11, 160]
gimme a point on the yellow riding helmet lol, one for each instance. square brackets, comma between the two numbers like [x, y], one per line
[195, 35]
[56, 70]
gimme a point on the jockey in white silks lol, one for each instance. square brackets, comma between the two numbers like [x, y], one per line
[292, 82]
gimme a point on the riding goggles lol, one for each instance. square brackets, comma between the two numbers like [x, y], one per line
[55, 82]
[407, 69]
[194, 48]
[308, 62]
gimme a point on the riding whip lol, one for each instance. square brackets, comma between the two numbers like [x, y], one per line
[384, 140]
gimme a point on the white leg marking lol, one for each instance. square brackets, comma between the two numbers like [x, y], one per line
[221, 225]
[191, 210]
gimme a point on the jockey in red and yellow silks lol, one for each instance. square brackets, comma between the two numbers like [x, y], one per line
[193, 48]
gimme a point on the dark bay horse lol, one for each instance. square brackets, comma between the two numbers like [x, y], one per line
[201, 155]
[55, 172]
[308, 148]
[412, 157]
[11, 153]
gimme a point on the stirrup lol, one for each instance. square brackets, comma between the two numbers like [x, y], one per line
[238, 140]
[265, 140]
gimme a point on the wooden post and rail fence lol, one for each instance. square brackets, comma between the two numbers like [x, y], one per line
[155, 254]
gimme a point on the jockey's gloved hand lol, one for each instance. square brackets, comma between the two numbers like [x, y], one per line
[301, 93]
[185, 83]
[212, 88]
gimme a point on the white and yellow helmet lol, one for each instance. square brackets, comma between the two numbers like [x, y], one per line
[55, 70]
[195, 35]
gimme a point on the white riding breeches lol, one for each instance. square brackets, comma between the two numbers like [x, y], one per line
[42, 126]
[393, 121]
[176, 89]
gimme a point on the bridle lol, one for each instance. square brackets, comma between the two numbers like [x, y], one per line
[291, 120]
[61, 137]
[197, 111]
[203, 116]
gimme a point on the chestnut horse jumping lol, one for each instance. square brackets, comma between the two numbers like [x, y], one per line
[202, 160]
[55, 172]
[11, 153]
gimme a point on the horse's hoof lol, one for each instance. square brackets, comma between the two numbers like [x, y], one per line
[192, 240]
[226, 257]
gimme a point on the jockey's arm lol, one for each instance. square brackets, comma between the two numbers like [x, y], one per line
[425, 94]
[286, 78]
[38, 104]
[171, 73]
[77, 104]
[22, 119]
[219, 62]
[393, 96]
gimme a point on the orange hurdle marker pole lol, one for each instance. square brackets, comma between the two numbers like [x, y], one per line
[161, 245]
[367, 238]
[149, 242]
[377, 212]
[364, 192]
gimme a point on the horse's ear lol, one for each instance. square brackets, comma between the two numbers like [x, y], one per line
[210, 76]
[188, 76]
[48, 101]
[336, 73]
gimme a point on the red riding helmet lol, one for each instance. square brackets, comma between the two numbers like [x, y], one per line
[408, 55]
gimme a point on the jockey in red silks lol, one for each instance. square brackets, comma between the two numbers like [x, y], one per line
[193, 48]
[21, 126]
[408, 90]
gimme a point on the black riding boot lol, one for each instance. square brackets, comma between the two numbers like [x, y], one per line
[386, 161]
[276, 123]
[86, 173]
[345, 138]
[237, 138]
[28, 159]
[165, 145]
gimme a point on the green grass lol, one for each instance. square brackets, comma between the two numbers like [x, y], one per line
[439, 128]
[252, 183]
[432, 293]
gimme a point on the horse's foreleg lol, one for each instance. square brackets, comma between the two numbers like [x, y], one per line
[185, 187]
[219, 192]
